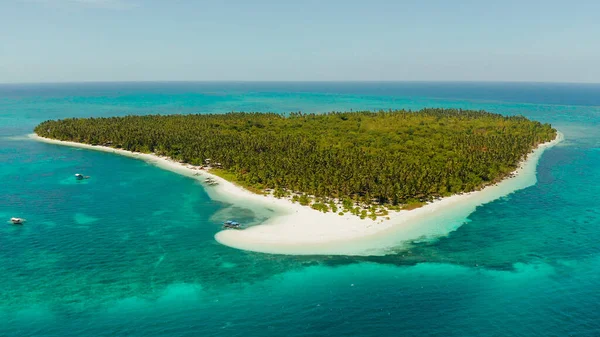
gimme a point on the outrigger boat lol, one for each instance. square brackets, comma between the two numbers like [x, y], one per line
[17, 221]
[210, 181]
[80, 176]
[232, 225]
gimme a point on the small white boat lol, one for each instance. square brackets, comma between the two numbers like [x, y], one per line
[17, 221]
[80, 176]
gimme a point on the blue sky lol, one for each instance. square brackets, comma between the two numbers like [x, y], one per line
[325, 40]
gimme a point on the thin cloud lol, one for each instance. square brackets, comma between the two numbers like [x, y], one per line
[108, 4]
[102, 4]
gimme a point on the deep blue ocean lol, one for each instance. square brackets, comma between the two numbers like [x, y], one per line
[130, 252]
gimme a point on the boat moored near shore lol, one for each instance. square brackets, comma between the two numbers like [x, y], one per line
[211, 181]
[232, 225]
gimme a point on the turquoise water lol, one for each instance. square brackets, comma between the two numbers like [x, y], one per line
[130, 252]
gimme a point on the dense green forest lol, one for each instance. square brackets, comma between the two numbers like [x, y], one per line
[388, 157]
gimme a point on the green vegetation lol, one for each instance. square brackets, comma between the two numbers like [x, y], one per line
[413, 205]
[230, 176]
[391, 158]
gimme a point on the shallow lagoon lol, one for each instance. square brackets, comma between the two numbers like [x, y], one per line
[130, 251]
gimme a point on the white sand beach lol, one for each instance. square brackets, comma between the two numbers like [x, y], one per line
[301, 230]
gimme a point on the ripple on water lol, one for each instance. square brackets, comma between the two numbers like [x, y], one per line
[73, 181]
[228, 265]
[83, 219]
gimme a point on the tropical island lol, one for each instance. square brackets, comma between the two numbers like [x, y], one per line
[358, 164]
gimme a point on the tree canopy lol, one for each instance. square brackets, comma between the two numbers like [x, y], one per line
[386, 157]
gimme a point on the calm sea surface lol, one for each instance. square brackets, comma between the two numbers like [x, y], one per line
[130, 252]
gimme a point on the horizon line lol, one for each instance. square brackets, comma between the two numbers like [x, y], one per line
[290, 81]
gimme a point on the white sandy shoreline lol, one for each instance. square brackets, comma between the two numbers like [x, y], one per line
[301, 230]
